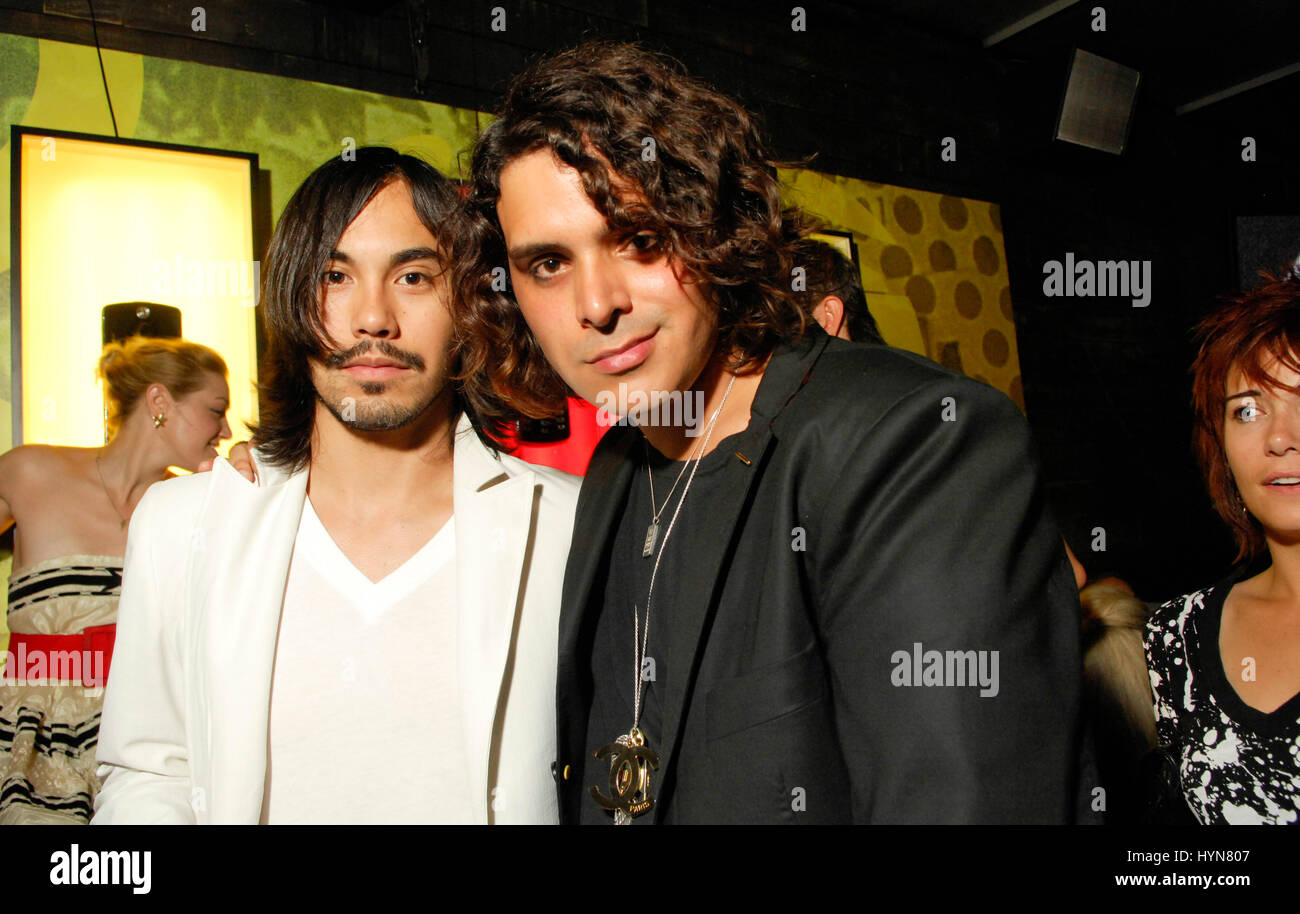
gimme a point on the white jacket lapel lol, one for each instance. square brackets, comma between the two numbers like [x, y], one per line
[250, 538]
[494, 519]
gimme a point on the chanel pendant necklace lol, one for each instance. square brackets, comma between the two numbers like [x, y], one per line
[631, 760]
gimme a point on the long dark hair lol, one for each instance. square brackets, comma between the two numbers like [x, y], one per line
[656, 149]
[309, 229]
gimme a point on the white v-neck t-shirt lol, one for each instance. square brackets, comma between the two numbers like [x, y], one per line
[366, 726]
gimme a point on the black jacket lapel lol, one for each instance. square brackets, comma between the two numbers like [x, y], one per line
[694, 596]
[604, 491]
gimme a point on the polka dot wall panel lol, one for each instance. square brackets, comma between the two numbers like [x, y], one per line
[934, 268]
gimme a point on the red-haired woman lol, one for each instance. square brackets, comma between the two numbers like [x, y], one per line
[168, 402]
[1225, 661]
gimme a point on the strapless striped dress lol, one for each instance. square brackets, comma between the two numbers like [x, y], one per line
[49, 716]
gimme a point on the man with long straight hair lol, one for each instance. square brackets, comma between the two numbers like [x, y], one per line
[368, 636]
[833, 593]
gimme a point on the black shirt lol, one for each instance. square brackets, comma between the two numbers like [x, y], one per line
[613, 663]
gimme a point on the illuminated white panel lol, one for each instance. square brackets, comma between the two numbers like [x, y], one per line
[102, 223]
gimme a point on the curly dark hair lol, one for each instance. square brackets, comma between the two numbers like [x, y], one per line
[656, 150]
[309, 229]
[1246, 331]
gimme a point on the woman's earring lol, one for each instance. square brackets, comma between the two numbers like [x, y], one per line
[161, 420]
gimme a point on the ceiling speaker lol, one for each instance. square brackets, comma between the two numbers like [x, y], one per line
[1098, 103]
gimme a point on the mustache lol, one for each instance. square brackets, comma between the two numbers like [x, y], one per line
[339, 358]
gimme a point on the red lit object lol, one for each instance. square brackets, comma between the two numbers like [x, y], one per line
[572, 454]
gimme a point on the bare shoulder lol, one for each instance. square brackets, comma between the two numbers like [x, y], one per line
[40, 464]
[1256, 587]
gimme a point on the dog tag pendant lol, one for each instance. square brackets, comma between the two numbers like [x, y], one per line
[651, 536]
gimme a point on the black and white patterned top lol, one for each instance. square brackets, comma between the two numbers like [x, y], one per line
[1237, 765]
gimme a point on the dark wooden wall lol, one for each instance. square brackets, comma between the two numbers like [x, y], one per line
[870, 96]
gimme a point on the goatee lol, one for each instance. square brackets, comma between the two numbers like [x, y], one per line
[378, 416]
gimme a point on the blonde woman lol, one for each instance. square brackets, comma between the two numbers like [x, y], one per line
[167, 407]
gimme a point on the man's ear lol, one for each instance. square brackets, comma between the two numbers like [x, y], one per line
[830, 314]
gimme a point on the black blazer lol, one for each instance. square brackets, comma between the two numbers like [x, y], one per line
[917, 530]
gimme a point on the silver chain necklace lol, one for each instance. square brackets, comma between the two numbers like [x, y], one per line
[630, 759]
[641, 637]
[656, 512]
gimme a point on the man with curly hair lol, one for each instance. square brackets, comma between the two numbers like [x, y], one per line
[835, 595]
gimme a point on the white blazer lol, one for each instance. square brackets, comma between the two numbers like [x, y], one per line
[183, 738]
